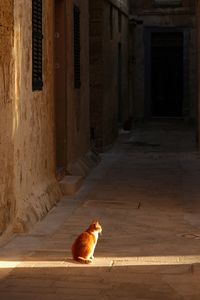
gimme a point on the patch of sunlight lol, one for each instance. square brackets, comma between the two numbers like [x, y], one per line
[157, 260]
[9, 264]
[105, 262]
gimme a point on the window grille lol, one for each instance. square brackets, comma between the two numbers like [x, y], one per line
[77, 48]
[37, 37]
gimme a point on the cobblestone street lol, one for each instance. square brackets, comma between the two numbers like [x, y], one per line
[145, 194]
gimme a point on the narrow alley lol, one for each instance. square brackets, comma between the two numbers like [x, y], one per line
[145, 194]
[100, 120]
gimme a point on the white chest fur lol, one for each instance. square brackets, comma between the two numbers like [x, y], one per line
[96, 235]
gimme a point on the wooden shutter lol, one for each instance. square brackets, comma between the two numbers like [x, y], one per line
[37, 45]
[77, 67]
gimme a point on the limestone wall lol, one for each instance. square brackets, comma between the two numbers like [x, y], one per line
[78, 128]
[7, 197]
[35, 185]
[115, 110]
[105, 39]
[28, 186]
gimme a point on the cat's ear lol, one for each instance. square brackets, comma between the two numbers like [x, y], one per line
[94, 222]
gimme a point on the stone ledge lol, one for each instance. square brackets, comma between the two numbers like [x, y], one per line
[83, 166]
[70, 184]
[36, 205]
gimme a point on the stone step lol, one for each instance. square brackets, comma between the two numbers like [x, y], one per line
[70, 184]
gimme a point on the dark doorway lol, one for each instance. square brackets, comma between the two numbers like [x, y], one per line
[166, 74]
[60, 86]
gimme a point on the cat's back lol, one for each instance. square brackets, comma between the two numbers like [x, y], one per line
[84, 238]
[83, 244]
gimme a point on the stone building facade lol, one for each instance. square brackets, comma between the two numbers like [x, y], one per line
[7, 202]
[45, 129]
[163, 58]
[72, 85]
[109, 104]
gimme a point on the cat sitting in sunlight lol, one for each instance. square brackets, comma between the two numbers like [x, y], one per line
[84, 246]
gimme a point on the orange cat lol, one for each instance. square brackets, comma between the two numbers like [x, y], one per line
[84, 246]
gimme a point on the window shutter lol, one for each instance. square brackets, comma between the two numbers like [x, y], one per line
[37, 36]
[77, 67]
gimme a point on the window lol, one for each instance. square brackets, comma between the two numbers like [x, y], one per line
[161, 3]
[77, 66]
[37, 37]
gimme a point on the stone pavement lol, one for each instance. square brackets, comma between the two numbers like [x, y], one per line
[145, 193]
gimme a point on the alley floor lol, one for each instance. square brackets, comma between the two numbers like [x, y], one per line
[146, 195]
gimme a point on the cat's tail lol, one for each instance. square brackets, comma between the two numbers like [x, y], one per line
[84, 260]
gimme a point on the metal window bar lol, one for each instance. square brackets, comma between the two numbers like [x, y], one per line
[37, 37]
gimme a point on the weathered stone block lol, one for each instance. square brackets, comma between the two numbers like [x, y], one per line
[71, 184]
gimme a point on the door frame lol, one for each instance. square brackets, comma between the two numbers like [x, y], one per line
[147, 53]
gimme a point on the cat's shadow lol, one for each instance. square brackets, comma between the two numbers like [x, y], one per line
[71, 261]
[74, 262]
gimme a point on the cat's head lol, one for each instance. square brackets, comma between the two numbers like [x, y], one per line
[95, 226]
